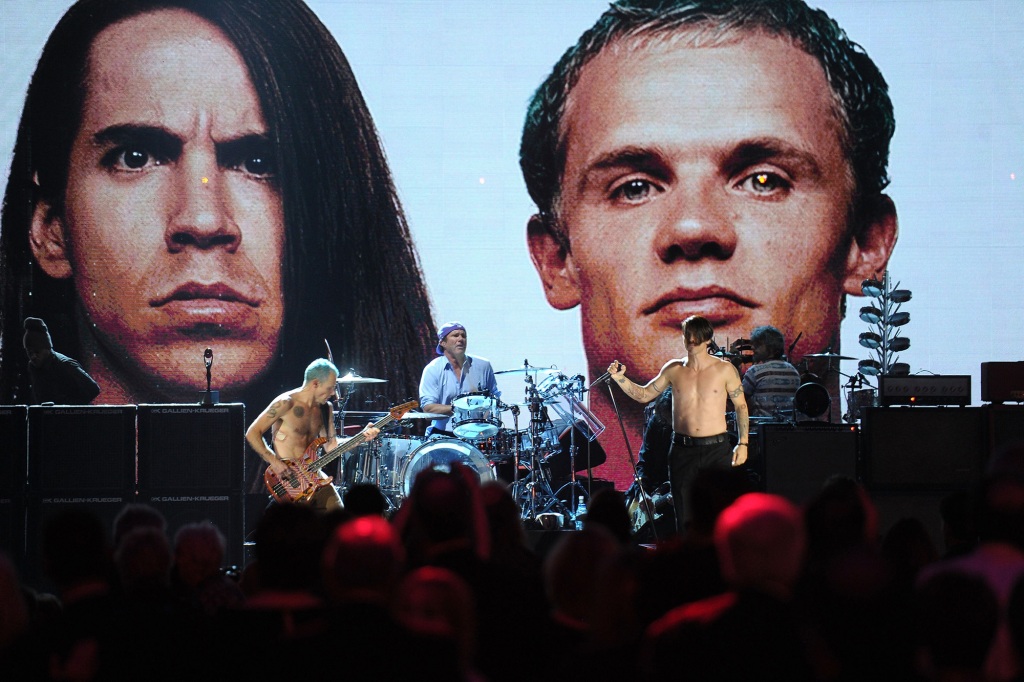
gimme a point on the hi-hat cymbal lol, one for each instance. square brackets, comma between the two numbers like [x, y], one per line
[831, 356]
[351, 378]
[422, 415]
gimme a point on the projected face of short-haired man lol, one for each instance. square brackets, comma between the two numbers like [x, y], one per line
[704, 177]
[172, 226]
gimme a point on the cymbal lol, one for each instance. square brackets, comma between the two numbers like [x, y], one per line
[525, 370]
[831, 356]
[422, 415]
[351, 378]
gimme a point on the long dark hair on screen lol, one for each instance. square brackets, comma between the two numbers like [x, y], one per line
[351, 272]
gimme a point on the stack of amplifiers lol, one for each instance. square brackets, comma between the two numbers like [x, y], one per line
[914, 457]
[192, 467]
[78, 456]
[13, 455]
[187, 461]
[798, 459]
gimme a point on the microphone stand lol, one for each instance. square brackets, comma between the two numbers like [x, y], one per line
[632, 461]
[573, 485]
[208, 396]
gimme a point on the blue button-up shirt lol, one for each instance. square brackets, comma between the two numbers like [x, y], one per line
[439, 385]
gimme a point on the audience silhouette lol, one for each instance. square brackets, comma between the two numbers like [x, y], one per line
[453, 586]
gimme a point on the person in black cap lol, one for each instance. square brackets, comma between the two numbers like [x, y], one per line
[55, 377]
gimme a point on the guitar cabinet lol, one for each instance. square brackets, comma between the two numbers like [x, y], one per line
[191, 449]
[799, 459]
[923, 448]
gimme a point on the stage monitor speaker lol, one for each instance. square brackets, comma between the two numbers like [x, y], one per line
[191, 448]
[13, 449]
[923, 448]
[41, 509]
[223, 511]
[81, 451]
[799, 459]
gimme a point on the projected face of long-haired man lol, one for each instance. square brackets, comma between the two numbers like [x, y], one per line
[703, 172]
[172, 224]
[203, 173]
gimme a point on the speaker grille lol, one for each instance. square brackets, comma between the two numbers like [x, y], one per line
[923, 448]
[191, 448]
[223, 511]
[798, 460]
[89, 450]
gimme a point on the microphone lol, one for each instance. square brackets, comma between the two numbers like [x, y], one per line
[604, 377]
[208, 397]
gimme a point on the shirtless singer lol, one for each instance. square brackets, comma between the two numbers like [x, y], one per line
[701, 386]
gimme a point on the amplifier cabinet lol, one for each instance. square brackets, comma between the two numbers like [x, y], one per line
[225, 511]
[199, 449]
[41, 508]
[81, 451]
[1002, 382]
[798, 459]
[923, 448]
[925, 389]
[13, 449]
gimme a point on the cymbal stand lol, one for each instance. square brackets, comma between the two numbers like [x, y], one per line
[541, 498]
[340, 402]
[574, 485]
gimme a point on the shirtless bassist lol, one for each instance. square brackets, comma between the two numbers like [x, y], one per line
[295, 420]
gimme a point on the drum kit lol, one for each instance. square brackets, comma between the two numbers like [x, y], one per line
[557, 440]
[812, 398]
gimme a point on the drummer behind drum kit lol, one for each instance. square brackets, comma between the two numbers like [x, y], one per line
[559, 439]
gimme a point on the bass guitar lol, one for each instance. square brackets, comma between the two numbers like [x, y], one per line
[640, 513]
[304, 476]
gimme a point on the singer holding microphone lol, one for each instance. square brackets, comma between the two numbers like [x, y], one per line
[701, 385]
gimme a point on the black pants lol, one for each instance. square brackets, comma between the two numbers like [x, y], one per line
[685, 462]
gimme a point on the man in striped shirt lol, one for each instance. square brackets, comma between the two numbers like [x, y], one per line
[771, 383]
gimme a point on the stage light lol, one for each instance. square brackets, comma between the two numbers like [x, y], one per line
[897, 345]
[870, 314]
[869, 367]
[899, 369]
[899, 319]
[870, 340]
[900, 295]
[872, 288]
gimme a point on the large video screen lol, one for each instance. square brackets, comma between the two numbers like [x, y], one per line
[161, 208]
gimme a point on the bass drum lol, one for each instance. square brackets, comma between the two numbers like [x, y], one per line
[439, 454]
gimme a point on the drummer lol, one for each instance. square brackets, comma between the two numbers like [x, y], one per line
[453, 374]
[771, 383]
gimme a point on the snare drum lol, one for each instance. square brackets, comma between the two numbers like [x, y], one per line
[475, 415]
[858, 400]
[439, 453]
